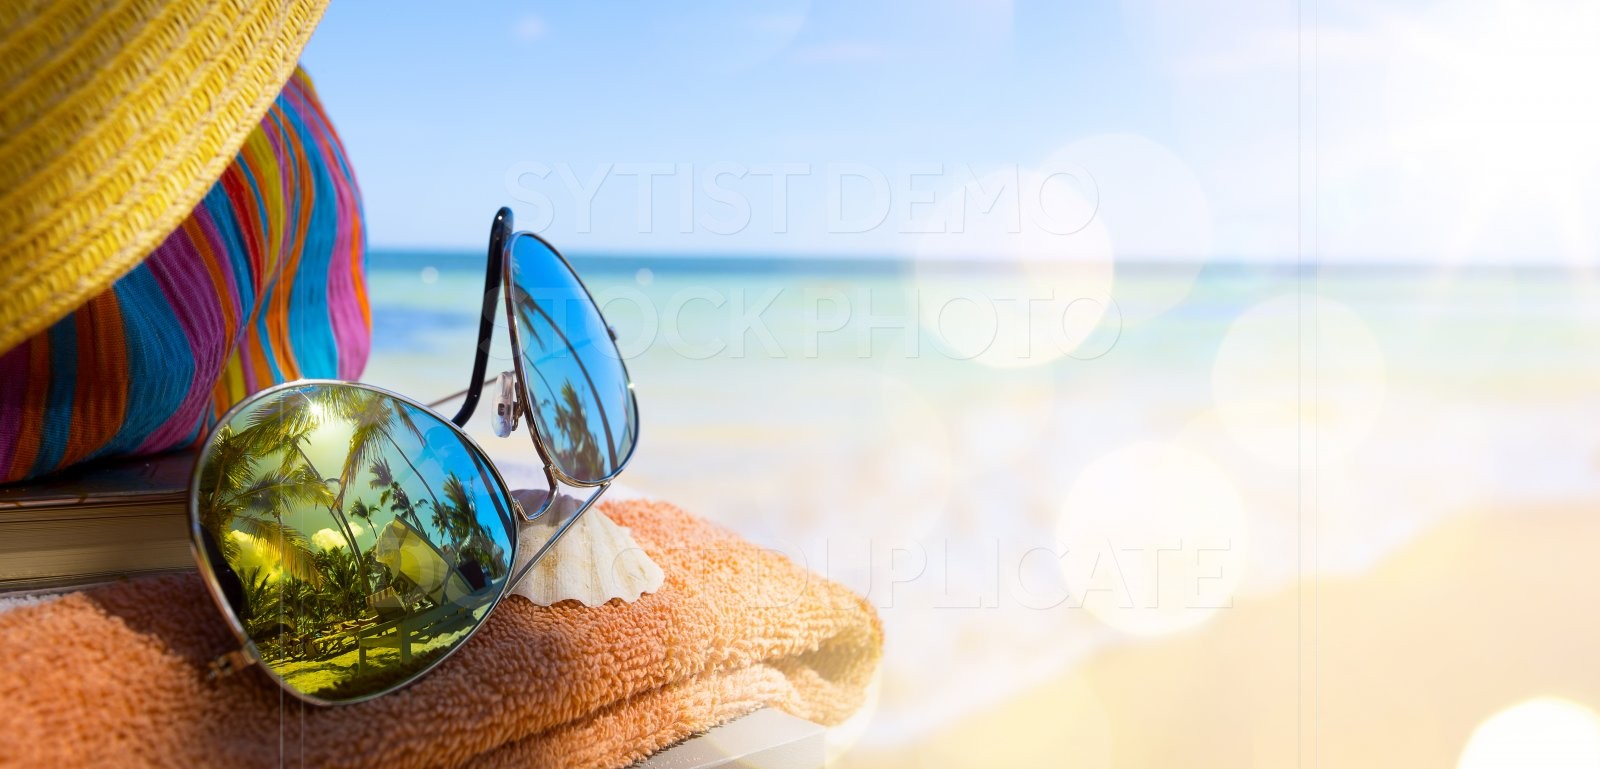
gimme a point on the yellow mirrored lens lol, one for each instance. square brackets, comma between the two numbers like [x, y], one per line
[357, 538]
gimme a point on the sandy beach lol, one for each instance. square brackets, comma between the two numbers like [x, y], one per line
[1395, 668]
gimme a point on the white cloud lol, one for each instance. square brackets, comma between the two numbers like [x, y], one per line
[253, 556]
[327, 539]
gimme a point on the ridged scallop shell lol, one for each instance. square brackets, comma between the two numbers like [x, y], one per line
[594, 562]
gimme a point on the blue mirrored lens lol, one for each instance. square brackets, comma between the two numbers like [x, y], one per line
[579, 388]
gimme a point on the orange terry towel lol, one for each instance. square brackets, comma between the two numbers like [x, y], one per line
[114, 676]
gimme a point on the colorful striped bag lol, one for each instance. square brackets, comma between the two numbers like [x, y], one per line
[264, 282]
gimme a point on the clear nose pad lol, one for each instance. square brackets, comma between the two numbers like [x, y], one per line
[505, 404]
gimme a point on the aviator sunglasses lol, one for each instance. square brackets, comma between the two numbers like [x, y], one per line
[354, 538]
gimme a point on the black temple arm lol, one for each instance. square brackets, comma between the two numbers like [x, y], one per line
[498, 235]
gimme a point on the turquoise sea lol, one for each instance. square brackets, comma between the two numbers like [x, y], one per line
[965, 443]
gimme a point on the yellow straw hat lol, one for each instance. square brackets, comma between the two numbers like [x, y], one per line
[116, 116]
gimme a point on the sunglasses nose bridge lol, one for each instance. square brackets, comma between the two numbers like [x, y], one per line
[506, 407]
[228, 664]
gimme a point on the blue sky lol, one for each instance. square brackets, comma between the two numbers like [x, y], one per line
[1198, 132]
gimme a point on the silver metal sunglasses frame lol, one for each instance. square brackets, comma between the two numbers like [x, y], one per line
[498, 280]
[245, 655]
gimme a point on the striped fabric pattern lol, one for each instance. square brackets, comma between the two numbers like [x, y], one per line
[264, 282]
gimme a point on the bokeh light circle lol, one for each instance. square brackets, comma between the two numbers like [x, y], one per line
[1154, 538]
[1292, 365]
[1542, 733]
[1003, 257]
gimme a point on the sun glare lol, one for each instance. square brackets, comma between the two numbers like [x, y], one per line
[1490, 119]
[1543, 733]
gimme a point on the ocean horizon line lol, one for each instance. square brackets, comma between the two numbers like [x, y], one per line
[450, 260]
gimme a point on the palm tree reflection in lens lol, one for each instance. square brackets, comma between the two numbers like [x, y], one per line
[576, 439]
[353, 583]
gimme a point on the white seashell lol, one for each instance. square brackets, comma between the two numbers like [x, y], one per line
[594, 562]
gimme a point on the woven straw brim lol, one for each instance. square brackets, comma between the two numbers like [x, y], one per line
[116, 117]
